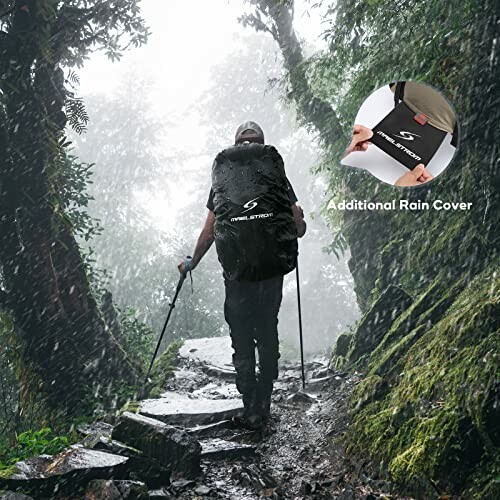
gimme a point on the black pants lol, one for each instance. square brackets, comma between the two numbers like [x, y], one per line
[251, 311]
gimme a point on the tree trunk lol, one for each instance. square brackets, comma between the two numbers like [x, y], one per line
[69, 356]
[316, 111]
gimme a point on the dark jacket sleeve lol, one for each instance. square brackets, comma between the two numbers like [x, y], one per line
[210, 202]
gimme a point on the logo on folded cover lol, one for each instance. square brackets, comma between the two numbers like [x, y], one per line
[407, 136]
[396, 144]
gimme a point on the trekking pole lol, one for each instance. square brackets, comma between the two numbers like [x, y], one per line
[300, 327]
[172, 305]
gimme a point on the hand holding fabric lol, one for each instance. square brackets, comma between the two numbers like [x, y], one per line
[360, 139]
[419, 175]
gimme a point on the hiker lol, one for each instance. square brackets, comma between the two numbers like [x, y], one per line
[361, 140]
[254, 258]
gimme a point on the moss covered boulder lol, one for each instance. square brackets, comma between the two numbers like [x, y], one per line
[371, 329]
[439, 419]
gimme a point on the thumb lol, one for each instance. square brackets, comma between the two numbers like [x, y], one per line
[418, 171]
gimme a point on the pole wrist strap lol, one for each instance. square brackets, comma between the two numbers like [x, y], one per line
[187, 269]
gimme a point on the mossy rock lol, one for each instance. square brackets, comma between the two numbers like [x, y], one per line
[163, 368]
[376, 323]
[338, 358]
[437, 418]
[425, 311]
[7, 472]
[370, 389]
[342, 345]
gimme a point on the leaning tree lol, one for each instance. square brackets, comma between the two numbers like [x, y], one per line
[69, 356]
[275, 17]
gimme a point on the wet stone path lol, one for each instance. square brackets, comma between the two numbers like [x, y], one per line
[187, 434]
[297, 456]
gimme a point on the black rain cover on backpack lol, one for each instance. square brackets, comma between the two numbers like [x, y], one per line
[255, 232]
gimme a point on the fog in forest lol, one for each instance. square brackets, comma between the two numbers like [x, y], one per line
[157, 118]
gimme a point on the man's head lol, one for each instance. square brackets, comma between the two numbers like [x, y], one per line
[249, 132]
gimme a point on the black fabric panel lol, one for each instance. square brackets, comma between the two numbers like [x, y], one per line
[255, 231]
[291, 195]
[406, 140]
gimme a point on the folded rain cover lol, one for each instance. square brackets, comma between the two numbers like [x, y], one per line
[407, 136]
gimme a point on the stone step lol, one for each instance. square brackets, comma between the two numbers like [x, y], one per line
[211, 430]
[220, 373]
[214, 351]
[71, 468]
[160, 494]
[220, 449]
[168, 445]
[144, 467]
[215, 390]
[180, 409]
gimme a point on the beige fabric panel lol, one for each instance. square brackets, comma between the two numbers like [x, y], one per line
[422, 98]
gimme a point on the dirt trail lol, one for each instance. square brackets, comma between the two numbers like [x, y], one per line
[299, 455]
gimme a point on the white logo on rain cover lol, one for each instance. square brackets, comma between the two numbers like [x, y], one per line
[249, 205]
[407, 136]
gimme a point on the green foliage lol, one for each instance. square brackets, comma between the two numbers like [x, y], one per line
[137, 338]
[111, 27]
[131, 406]
[33, 443]
[72, 178]
[164, 368]
[77, 114]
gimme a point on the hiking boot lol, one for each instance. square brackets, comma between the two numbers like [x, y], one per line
[263, 407]
[263, 404]
[249, 403]
[252, 422]
[250, 418]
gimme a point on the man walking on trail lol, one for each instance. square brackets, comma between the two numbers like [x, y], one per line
[254, 220]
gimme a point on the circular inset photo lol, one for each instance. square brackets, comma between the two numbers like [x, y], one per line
[405, 134]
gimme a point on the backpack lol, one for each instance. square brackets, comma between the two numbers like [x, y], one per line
[255, 232]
